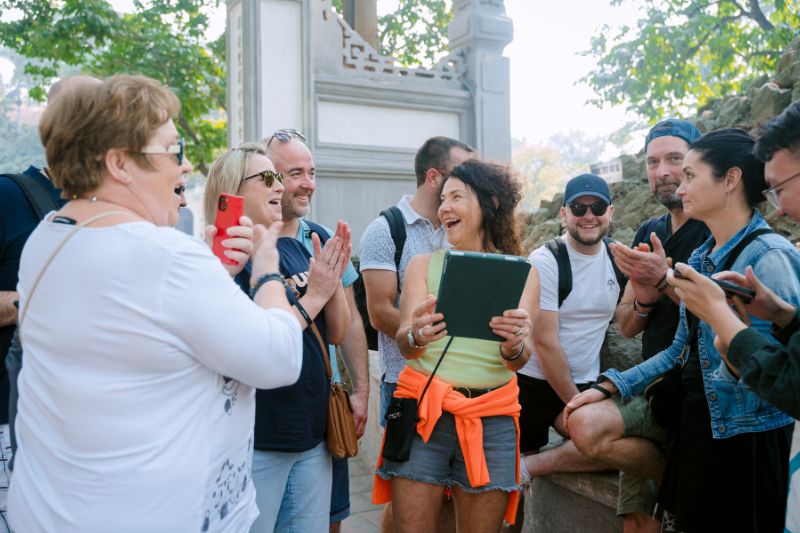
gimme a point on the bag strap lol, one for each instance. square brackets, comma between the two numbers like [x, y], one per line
[621, 278]
[558, 248]
[435, 368]
[49, 260]
[40, 200]
[397, 229]
[741, 245]
[692, 320]
[315, 330]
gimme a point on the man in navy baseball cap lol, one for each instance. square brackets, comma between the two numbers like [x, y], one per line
[673, 127]
[587, 185]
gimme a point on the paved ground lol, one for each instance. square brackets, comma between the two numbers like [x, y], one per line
[364, 517]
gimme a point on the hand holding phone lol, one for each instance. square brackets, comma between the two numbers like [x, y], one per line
[730, 289]
[229, 210]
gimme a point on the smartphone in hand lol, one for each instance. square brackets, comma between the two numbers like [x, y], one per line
[229, 210]
[730, 289]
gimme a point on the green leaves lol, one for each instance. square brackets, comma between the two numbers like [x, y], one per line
[685, 52]
[163, 39]
[416, 32]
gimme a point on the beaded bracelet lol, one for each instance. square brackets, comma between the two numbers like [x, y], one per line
[262, 280]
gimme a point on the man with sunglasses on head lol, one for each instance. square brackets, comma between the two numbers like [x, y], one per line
[569, 333]
[293, 160]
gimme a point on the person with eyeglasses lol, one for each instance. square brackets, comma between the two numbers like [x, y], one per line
[771, 369]
[294, 160]
[731, 448]
[137, 396]
[569, 333]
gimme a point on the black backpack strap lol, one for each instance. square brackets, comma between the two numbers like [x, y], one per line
[321, 232]
[40, 200]
[734, 254]
[558, 248]
[397, 229]
[622, 280]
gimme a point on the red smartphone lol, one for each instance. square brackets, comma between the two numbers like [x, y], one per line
[229, 210]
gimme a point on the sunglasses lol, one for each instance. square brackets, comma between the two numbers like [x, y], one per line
[285, 135]
[268, 176]
[178, 149]
[598, 208]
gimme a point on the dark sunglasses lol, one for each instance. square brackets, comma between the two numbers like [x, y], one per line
[598, 208]
[268, 176]
[178, 149]
[285, 135]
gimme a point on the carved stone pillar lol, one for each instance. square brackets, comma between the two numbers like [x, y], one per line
[482, 30]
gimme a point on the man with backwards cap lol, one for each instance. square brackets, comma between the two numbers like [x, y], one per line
[569, 334]
[626, 436]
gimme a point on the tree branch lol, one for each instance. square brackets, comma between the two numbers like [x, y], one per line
[757, 14]
[201, 165]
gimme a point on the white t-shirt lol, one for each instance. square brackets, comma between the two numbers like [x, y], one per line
[125, 420]
[585, 313]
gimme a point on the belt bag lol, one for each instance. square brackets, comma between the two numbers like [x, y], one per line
[401, 421]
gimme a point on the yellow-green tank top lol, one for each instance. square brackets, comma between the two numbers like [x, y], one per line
[471, 363]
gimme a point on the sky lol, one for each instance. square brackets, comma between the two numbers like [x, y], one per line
[545, 64]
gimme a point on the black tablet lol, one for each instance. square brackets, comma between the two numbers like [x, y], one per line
[475, 287]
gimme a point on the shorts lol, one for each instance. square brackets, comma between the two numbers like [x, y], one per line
[440, 461]
[638, 494]
[540, 407]
[387, 393]
[340, 490]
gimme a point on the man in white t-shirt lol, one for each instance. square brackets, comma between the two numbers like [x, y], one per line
[568, 334]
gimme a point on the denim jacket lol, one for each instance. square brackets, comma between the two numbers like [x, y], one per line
[734, 407]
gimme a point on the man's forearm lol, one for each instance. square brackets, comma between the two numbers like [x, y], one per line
[8, 311]
[387, 321]
[555, 368]
[354, 349]
[630, 324]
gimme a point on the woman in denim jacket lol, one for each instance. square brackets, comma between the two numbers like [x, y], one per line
[728, 469]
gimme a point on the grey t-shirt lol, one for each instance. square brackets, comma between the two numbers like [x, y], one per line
[377, 253]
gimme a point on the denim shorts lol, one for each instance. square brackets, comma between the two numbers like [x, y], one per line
[440, 461]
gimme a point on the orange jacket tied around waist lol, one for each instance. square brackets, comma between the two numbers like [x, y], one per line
[467, 413]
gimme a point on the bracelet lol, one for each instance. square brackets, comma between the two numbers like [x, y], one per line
[412, 342]
[640, 314]
[262, 280]
[516, 355]
[663, 284]
[607, 393]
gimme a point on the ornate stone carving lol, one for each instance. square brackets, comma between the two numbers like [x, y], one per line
[358, 55]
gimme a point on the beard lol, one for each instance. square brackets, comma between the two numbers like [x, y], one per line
[574, 232]
[668, 199]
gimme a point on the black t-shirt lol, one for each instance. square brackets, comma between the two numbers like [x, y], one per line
[663, 321]
[294, 418]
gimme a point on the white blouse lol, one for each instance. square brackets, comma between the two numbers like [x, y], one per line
[136, 398]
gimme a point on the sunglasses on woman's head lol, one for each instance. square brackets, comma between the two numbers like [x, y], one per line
[268, 176]
[598, 208]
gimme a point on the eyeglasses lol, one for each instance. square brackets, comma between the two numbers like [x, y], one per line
[177, 149]
[268, 176]
[773, 193]
[598, 208]
[285, 135]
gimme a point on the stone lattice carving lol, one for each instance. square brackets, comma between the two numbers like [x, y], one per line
[359, 55]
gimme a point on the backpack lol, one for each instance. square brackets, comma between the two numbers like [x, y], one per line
[559, 250]
[397, 229]
[40, 200]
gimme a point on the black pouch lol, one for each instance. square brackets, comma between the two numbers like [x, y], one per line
[401, 422]
[664, 397]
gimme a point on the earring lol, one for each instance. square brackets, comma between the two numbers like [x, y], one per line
[727, 200]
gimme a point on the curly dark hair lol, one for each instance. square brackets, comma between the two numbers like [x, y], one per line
[492, 183]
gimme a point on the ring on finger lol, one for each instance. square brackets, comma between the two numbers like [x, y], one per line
[420, 333]
[518, 332]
